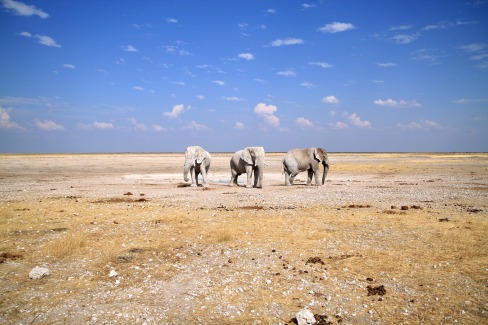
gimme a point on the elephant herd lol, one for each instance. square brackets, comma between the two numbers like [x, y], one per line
[251, 161]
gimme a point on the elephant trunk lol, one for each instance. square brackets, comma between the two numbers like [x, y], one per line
[326, 170]
[186, 169]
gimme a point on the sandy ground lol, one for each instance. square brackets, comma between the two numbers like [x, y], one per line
[390, 238]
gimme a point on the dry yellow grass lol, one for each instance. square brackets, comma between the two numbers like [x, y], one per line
[243, 259]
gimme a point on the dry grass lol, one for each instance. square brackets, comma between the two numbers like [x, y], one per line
[246, 262]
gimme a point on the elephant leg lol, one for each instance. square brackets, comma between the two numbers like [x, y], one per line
[318, 181]
[194, 177]
[309, 176]
[249, 175]
[204, 175]
[292, 178]
[236, 183]
[233, 178]
[258, 177]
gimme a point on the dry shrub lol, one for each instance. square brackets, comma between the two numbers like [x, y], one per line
[66, 246]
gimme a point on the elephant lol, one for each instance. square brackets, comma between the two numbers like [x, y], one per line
[197, 161]
[309, 159]
[248, 160]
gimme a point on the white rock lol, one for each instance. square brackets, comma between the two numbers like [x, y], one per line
[112, 274]
[38, 272]
[305, 317]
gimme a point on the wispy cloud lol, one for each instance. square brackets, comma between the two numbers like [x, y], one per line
[432, 57]
[138, 126]
[307, 85]
[304, 123]
[69, 66]
[176, 111]
[336, 27]
[138, 88]
[468, 101]
[177, 49]
[246, 56]
[102, 125]
[43, 39]
[195, 126]
[308, 5]
[49, 126]
[287, 41]
[405, 38]
[324, 65]
[6, 122]
[478, 52]
[233, 99]
[171, 20]
[355, 120]
[330, 100]
[400, 27]
[397, 103]
[239, 126]
[129, 48]
[219, 82]
[21, 9]
[386, 64]
[287, 73]
[421, 125]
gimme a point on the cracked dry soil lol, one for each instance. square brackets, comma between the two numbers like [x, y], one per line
[390, 238]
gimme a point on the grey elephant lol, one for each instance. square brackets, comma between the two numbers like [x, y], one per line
[249, 160]
[309, 159]
[197, 161]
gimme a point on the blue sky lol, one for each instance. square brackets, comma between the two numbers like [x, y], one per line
[140, 76]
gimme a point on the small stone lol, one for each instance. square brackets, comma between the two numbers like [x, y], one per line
[305, 317]
[112, 274]
[38, 272]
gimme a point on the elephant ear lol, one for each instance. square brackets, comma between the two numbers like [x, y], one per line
[200, 155]
[246, 156]
[316, 155]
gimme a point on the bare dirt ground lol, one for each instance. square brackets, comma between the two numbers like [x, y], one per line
[389, 239]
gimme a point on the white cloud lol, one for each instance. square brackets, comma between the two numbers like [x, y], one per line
[288, 41]
[193, 125]
[233, 99]
[473, 47]
[261, 81]
[239, 126]
[48, 41]
[287, 73]
[400, 27]
[138, 126]
[271, 11]
[267, 113]
[355, 120]
[405, 38]
[6, 122]
[102, 125]
[49, 126]
[177, 110]
[178, 83]
[467, 101]
[336, 27]
[138, 88]
[339, 125]
[21, 9]
[130, 48]
[43, 39]
[330, 100]
[219, 82]
[200, 97]
[307, 85]
[171, 20]
[246, 56]
[304, 123]
[324, 65]
[396, 103]
[308, 5]
[69, 66]
[386, 64]
[425, 125]
[159, 128]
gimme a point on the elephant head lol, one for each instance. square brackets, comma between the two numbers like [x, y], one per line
[253, 156]
[194, 155]
[320, 155]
